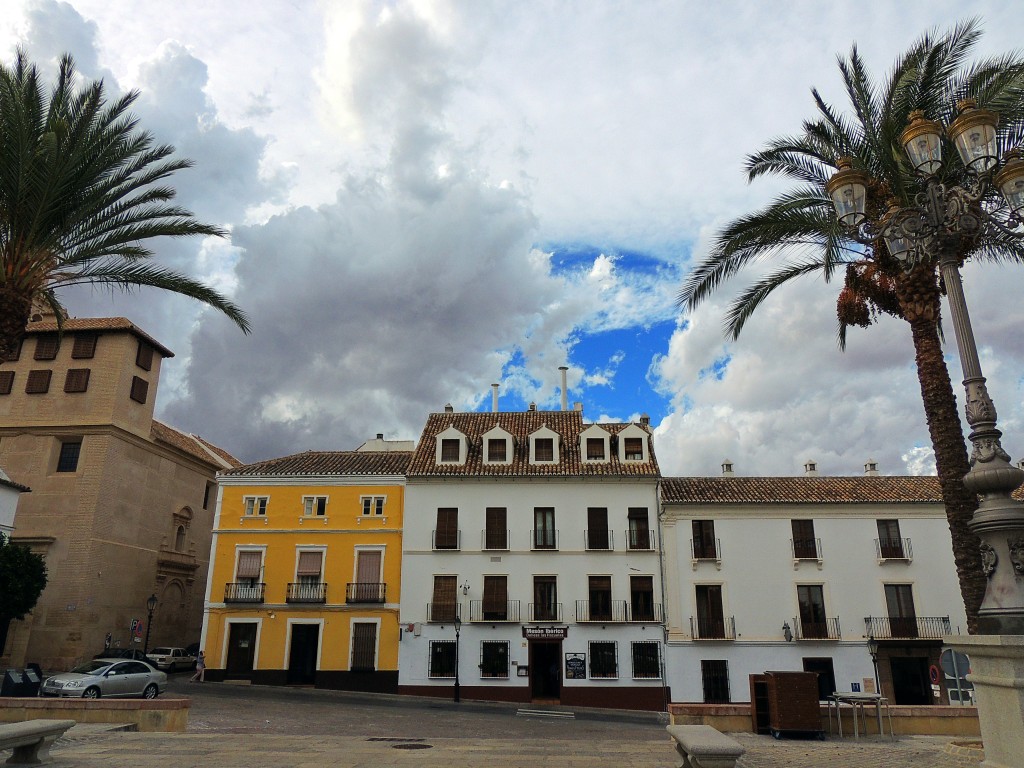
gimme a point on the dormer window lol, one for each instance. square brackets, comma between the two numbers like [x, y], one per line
[497, 445]
[595, 449]
[633, 444]
[496, 449]
[595, 444]
[451, 447]
[544, 449]
[634, 448]
[449, 450]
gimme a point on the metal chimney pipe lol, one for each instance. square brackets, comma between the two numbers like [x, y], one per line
[565, 393]
[494, 398]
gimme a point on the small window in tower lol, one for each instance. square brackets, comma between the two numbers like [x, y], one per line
[140, 389]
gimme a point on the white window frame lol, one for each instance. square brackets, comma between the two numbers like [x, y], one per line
[352, 644]
[497, 433]
[594, 432]
[310, 505]
[307, 548]
[227, 638]
[249, 506]
[545, 433]
[430, 654]
[288, 640]
[261, 548]
[373, 506]
[615, 644]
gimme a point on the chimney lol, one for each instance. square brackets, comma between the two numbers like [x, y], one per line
[645, 419]
[727, 469]
[577, 406]
[380, 435]
[811, 468]
[871, 467]
[565, 394]
[494, 398]
[448, 408]
[533, 406]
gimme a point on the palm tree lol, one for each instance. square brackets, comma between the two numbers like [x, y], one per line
[81, 191]
[800, 228]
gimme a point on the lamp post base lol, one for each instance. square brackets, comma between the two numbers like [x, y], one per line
[997, 673]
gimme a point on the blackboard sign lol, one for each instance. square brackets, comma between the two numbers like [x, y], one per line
[575, 666]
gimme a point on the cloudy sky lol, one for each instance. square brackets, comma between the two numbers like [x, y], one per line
[426, 197]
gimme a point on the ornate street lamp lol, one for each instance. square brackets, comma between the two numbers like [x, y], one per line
[940, 223]
[150, 607]
[458, 627]
[873, 653]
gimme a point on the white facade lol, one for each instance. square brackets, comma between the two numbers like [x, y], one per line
[9, 493]
[904, 593]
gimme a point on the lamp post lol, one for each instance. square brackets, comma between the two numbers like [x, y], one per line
[873, 652]
[936, 228]
[458, 627]
[150, 607]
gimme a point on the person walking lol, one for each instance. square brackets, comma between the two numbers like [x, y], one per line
[200, 668]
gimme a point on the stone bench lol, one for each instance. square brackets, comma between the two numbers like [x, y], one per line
[701, 746]
[31, 740]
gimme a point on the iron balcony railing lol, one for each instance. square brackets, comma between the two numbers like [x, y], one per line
[494, 611]
[645, 611]
[598, 538]
[543, 538]
[303, 592]
[894, 549]
[906, 628]
[443, 612]
[706, 550]
[806, 549]
[610, 611]
[640, 540]
[446, 539]
[365, 592]
[494, 539]
[545, 612]
[723, 628]
[241, 592]
[828, 629]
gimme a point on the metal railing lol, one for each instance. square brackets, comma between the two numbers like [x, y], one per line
[443, 612]
[545, 612]
[599, 539]
[507, 612]
[446, 539]
[713, 629]
[306, 592]
[894, 549]
[817, 630]
[642, 611]
[700, 550]
[365, 592]
[640, 540]
[241, 592]
[806, 549]
[610, 611]
[494, 540]
[904, 628]
[543, 538]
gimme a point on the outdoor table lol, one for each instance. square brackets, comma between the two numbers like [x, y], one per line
[857, 701]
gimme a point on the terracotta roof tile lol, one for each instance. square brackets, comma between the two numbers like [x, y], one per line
[801, 490]
[329, 463]
[521, 424]
[193, 445]
[98, 324]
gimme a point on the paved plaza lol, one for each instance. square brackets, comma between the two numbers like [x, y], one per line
[252, 726]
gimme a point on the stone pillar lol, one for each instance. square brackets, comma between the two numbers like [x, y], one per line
[997, 672]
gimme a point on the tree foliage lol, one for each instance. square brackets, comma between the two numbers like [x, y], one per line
[22, 579]
[83, 190]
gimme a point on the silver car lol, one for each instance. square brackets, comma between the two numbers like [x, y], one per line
[107, 677]
[171, 659]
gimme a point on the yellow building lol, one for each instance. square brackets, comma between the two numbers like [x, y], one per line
[305, 570]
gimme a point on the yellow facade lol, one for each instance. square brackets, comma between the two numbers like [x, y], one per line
[337, 628]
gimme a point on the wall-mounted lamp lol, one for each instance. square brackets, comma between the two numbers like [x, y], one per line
[787, 632]
[465, 587]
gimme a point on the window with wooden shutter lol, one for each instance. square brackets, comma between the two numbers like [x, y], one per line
[140, 389]
[450, 449]
[38, 382]
[595, 448]
[443, 605]
[46, 346]
[597, 528]
[144, 356]
[641, 598]
[545, 599]
[14, 354]
[544, 449]
[84, 347]
[76, 380]
[704, 542]
[495, 602]
[805, 546]
[634, 449]
[446, 535]
[639, 531]
[364, 646]
[6, 382]
[600, 593]
[249, 564]
[496, 533]
[496, 449]
[309, 566]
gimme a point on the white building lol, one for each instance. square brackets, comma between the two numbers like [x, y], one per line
[530, 556]
[798, 573]
[10, 491]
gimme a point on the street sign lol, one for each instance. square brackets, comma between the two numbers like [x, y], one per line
[954, 663]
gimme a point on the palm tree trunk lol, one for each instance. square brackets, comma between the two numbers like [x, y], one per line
[14, 312]
[951, 462]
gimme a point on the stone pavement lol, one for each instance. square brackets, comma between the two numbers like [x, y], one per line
[91, 746]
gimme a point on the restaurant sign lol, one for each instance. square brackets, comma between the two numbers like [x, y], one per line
[545, 633]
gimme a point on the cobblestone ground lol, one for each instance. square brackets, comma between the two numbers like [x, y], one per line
[253, 726]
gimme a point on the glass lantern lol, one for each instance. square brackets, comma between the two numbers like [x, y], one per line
[848, 190]
[922, 140]
[974, 134]
[1010, 181]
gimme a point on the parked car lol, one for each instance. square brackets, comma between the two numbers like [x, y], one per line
[170, 659]
[107, 677]
[125, 653]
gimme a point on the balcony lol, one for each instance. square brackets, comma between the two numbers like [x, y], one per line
[909, 628]
[640, 540]
[543, 538]
[804, 550]
[894, 549]
[443, 613]
[545, 612]
[598, 539]
[713, 628]
[602, 611]
[301, 592]
[442, 540]
[242, 592]
[494, 540]
[827, 629]
[644, 611]
[706, 552]
[494, 612]
[365, 592]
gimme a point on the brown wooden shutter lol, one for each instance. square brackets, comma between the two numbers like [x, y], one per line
[140, 389]
[46, 347]
[38, 382]
[144, 357]
[310, 563]
[249, 565]
[495, 594]
[447, 528]
[6, 382]
[497, 528]
[84, 347]
[368, 567]
[77, 380]
[364, 645]
[443, 605]
[597, 528]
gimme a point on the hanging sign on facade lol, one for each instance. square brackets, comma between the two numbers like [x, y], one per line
[545, 633]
